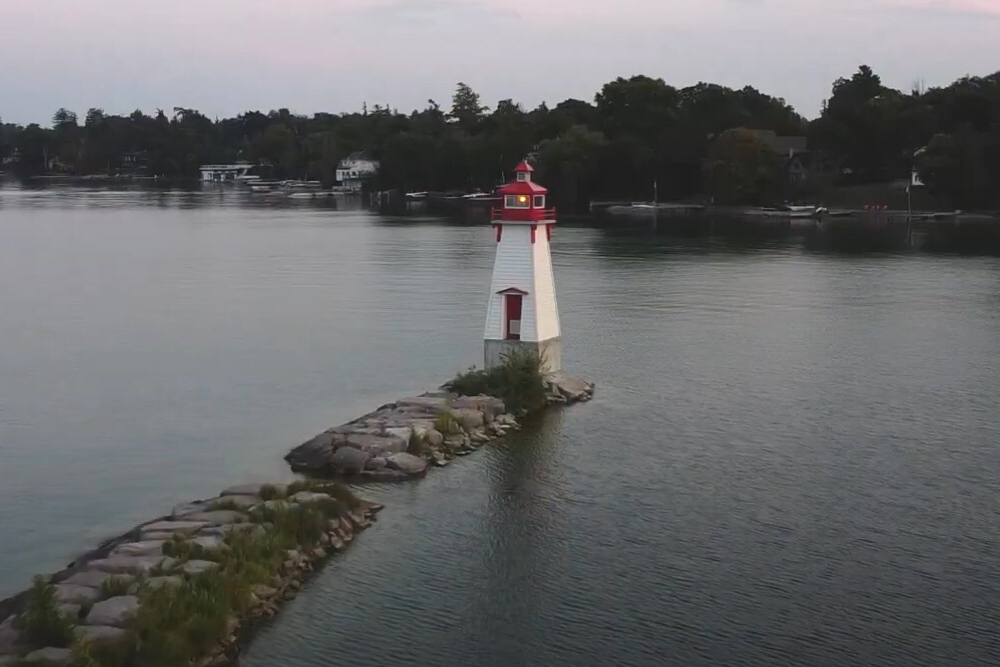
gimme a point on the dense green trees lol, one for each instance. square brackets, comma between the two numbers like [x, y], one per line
[636, 131]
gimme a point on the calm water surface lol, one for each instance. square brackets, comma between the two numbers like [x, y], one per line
[792, 459]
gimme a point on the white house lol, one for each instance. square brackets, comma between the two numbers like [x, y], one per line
[522, 312]
[357, 168]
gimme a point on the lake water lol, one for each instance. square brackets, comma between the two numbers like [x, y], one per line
[792, 457]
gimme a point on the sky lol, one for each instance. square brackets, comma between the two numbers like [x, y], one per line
[223, 57]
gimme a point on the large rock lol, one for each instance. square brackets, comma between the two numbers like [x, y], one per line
[159, 537]
[377, 463]
[469, 418]
[490, 407]
[95, 578]
[187, 526]
[99, 634]
[209, 542]
[8, 636]
[314, 454]
[216, 518]
[146, 548]
[73, 594]
[115, 612]
[407, 463]
[196, 567]
[424, 403]
[349, 460]
[130, 564]
[434, 438]
[573, 390]
[376, 443]
[49, 657]
[307, 497]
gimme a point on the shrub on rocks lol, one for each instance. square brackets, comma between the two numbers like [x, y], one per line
[520, 380]
[42, 624]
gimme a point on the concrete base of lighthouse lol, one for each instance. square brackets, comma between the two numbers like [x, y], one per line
[550, 351]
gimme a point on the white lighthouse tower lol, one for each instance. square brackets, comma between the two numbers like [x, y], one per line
[522, 310]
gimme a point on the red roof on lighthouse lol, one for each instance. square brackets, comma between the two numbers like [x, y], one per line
[523, 186]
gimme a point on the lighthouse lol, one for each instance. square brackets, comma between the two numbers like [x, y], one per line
[521, 312]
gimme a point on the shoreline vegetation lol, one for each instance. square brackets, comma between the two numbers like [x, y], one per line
[190, 588]
[702, 143]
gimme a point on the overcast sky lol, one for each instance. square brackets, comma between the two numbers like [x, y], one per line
[227, 56]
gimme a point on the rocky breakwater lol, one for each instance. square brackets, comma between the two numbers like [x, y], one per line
[184, 589]
[399, 441]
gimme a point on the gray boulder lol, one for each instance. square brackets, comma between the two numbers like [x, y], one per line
[349, 460]
[196, 567]
[217, 518]
[469, 418]
[209, 542]
[573, 390]
[489, 406]
[130, 564]
[306, 497]
[114, 612]
[49, 657]
[95, 578]
[145, 548]
[149, 537]
[377, 463]
[72, 594]
[423, 403]
[313, 454]
[187, 526]
[98, 634]
[407, 463]
[376, 443]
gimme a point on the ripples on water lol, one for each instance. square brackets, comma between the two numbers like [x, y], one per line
[791, 459]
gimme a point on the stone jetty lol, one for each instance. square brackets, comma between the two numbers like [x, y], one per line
[201, 548]
[247, 550]
[399, 441]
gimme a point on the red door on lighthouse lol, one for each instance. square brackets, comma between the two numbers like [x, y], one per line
[512, 310]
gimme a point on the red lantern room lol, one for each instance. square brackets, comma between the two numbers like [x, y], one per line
[524, 200]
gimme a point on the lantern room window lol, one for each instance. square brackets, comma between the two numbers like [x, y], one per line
[523, 176]
[539, 201]
[516, 201]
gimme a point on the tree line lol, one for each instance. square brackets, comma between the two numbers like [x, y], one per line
[704, 141]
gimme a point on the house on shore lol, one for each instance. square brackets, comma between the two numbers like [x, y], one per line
[797, 160]
[355, 170]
